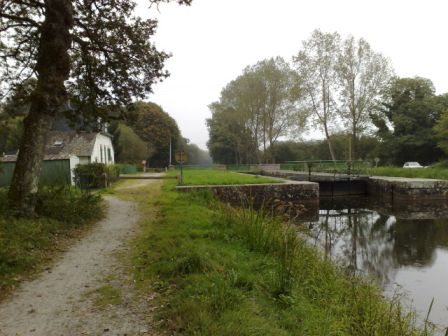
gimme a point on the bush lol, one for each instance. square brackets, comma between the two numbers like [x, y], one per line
[113, 173]
[96, 175]
[68, 204]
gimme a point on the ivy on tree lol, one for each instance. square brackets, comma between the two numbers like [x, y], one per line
[96, 52]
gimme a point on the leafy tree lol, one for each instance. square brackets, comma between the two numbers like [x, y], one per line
[441, 127]
[230, 141]
[254, 111]
[406, 121]
[96, 51]
[157, 128]
[197, 156]
[316, 66]
[128, 146]
[318, 149]
[363, 76]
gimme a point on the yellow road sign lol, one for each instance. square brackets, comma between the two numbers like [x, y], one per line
[181, 157]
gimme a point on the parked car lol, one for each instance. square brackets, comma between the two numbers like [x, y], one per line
[412, 165]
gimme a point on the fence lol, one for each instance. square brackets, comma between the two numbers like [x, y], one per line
[356, 167]
[55, 172]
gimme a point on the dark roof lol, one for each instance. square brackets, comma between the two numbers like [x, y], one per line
[62, 145]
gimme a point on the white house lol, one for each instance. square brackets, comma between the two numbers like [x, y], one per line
[89, 147]
[67, 150]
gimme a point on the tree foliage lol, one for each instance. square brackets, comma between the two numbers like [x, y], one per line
[406, 121]
[128, 146]
[153, 125]
[96, 52]
[253, 112]
[316, 66]
[363, 76]
[341, 80]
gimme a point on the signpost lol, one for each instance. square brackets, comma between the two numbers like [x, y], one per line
[182, 158]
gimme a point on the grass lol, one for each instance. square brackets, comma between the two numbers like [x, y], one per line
[28, 244]
[430, 173]
[223, 271]
[107, 295]
[219, 177]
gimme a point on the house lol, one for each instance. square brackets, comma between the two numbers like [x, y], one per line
[63, 152]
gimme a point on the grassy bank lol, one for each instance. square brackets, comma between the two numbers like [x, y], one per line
[217, 177]
[431, 173]
[28, 244]
[221, 271]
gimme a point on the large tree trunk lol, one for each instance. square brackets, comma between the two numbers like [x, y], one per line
[53, 68]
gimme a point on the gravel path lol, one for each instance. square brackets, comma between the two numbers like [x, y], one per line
[64, 299]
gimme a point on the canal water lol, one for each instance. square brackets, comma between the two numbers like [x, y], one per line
[404, 247]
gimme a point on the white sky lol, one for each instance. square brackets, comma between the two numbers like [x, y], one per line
[213, 40]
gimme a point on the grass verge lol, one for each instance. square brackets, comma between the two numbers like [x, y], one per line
[28, 244]
[222, 271]
[219, 177]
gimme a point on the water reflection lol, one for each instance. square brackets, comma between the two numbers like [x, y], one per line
[391, 245]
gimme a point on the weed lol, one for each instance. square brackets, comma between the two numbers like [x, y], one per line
[107, 295]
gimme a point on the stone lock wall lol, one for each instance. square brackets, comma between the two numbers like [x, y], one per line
[306, 192]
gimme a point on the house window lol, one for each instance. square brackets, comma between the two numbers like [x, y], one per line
[109, 154]
[101, 153]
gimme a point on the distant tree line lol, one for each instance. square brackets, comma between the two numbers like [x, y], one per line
[148, 133]
[340, 87]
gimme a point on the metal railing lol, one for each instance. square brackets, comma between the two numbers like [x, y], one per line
[352, 168]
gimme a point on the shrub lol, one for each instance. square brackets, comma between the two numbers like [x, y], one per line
[113, 172]
[95, 175]
[68, 204]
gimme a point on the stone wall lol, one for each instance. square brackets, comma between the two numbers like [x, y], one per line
[265, 167]
[302, 192]
[407, 188]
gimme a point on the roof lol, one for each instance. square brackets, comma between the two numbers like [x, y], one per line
[63, 145]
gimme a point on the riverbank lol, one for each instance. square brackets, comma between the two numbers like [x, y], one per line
[221, 271]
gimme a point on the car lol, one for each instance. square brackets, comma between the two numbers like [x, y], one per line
[412, 165]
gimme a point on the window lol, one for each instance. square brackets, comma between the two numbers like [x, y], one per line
[101, 153]
[109, 154]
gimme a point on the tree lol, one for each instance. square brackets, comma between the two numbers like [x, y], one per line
[315, 64]
[230, 140]
[153, 125]
[128, 146]
[197, 156]
[96, 51]
[406, 120]
[254, 111]
[441, 127]
[363, 76]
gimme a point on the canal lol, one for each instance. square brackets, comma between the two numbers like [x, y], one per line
[403, 247]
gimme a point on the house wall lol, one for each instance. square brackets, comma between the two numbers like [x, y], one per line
[102, 148]
[74, 161]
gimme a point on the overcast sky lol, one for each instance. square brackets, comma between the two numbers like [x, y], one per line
[213, 40]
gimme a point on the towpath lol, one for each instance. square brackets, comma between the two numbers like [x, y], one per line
[89, 290]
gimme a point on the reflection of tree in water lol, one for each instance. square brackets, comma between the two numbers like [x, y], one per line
[416, 241]
[363, 240]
